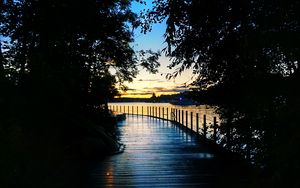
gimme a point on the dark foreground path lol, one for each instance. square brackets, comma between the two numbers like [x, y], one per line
[160, 154]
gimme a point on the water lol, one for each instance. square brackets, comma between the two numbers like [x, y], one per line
[186, 115]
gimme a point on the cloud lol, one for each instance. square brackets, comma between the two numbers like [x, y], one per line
[177, 89]
[181, 87]
[154, 80]
[152, 88]
[140, 93]
[162, 81]
[131, 89]
[149, 80]
[168, 90]
[165, 90]
[180, 90]
[158, 88]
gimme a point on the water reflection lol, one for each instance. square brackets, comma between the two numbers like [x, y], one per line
[109, 179]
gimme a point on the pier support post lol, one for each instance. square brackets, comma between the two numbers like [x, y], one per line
[204, 126]
[173, 114]
[153, 111]
[182, 117]
[197, 122]
[179, 116]
[192, 121]
[158, 112]
[186, 120]
[167, 113]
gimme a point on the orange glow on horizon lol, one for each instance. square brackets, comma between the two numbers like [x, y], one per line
[132, 95]
[145, 84]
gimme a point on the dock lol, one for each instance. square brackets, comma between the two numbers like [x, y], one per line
[160, 153]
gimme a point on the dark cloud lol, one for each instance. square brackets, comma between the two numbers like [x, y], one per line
[154, 88]
[173, 90]
[158, 88]
[141, 93]
[180, 90]
[165, 90]
[149, 80]
[130, 89]
[181, 87]
[168, 90]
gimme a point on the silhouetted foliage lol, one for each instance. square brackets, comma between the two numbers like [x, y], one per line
[59, 63]
[246, 56]
[149, 60]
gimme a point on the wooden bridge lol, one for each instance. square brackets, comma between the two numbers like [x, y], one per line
[159, 153]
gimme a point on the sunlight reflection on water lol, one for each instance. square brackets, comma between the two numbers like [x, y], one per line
[163, 110]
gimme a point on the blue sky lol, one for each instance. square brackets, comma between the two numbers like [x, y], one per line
[152, 40]
[145, 83]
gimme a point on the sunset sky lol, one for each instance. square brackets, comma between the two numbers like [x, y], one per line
[145, 83]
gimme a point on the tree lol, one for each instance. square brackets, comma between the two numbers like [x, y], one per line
[153, 97]
[245, 54]
[65, 44]
[1, 54]
[57, 58]
[70, 40]
[214, 37]
[103, 89]
[1, 64]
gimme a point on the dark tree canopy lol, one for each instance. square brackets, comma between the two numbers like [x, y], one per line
[220, 39]
[69, 42]
[60, 62]
[246, 56]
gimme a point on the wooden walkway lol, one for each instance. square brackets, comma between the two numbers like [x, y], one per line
[161, 154]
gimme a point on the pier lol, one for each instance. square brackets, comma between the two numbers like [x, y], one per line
[163, 153]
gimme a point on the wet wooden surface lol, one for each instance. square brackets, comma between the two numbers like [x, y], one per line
[161, 154]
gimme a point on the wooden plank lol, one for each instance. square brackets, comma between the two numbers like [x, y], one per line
[160, 154]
